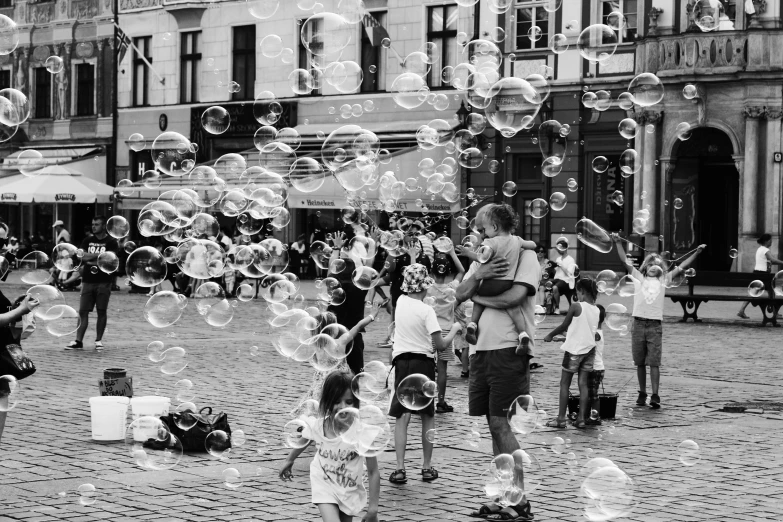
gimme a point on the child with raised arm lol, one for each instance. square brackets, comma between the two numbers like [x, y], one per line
[336, 470]
[581, 323]
[417, 331]
[650, 282]
[498, 224]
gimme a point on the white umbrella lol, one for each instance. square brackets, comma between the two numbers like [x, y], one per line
[54, 184]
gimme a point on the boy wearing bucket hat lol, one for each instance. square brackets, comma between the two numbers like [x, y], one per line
[563, 284]
[416, 333]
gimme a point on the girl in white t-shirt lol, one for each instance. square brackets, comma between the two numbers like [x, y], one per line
[581, 323]
[336, 469]
[416, 332]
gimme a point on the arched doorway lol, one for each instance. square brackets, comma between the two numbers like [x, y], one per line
[706, 180]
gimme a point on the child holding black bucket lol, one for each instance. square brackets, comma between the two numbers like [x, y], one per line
[581, 324]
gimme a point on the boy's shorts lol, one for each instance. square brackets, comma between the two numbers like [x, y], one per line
[579, 363]
[646, 342]
[403, 368]
[594, 380]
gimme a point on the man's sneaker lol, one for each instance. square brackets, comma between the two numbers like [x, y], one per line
[98, 346]
[642, 400]
[471, 333]
[655, 401]
[524, 344]
[74, 345]
[443, 407]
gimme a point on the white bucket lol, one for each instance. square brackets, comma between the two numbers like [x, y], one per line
[108, 417]
[151, 406]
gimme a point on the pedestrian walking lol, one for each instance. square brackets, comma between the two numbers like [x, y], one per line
[336, 471]
[763, 268]
[650, 283]
[564, 281]
[96, 284]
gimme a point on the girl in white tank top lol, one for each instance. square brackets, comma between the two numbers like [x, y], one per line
[580, 325]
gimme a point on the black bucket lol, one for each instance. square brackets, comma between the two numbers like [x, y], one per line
[607, 405]
[114, 373]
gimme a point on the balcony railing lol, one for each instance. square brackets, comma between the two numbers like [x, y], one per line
[720, 52]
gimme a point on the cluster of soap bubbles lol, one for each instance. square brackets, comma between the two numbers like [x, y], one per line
[174, 359]
[151, 445]
[511, 478]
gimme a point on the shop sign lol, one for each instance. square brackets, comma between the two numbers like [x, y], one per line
[65, 197]
[606, 213]
[8, 196]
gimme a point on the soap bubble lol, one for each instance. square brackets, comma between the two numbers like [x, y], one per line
[146, 267]
[572, 185]
[215, 120]
[108, 262]
[117, 227]
[523, 415]
[647, 89]
[38, 271]
[628, 128]
[218, 444]
[9, 36]
[597, 43]
[307, 175]
[405, 90]
[10, 392]
[538, 208]
[137, 142]
[151, 445]
[271, 46]
[610, 493]
[683, 131]
[513, 106]
[14, 104]
[539, 314]
[326, 34]
[509, 189]
[677, 203]
[232, 478]
[292, 434]
[607, 281]
[733, 253]
[707, 22]
[29, 162]
[414, 392]
[67, 257]
[557, 445]
[617, 317]
[689, 453]
[87, 494]
[431, 435]
[625, 101]
[592, 235]
[365, 277]
[557, 201]
[629, 162]
[558, 43]
[262, 9]
[63, 320]
[172, 154]
[164, 308]
[600, 164]
[47, 296]
[174, 360]
[756, 288]
[155, 351]
[183, 389]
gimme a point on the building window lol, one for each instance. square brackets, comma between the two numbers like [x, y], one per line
[189, 67]
[309, 61]
[244, 67]
[442, 31]
[5, 78]
[85, 89]
[532, 228]
[6, 3]
[141, 85]
[531, 13]
[628, 9]
[373, 57]
[43, 92]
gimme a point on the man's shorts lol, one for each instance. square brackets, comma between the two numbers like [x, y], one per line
[646, 342]
[497, 377]
[94, 295]
[579, 363]
[594, 380]
[562, 286]
[404, 368]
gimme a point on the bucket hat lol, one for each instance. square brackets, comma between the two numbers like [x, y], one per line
[416, 279]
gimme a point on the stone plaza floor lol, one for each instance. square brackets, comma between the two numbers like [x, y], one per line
[46, 450]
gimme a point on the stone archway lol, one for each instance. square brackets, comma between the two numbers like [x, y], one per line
[705, 180]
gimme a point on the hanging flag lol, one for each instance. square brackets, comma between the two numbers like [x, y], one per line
[123, 42]
[375, 31]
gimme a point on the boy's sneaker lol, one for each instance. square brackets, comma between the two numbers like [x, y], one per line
[593, 422]
[471, 333]
[98, 346]
[642, 400]
[74, 345]
[443, 407]
[523, 348]
[655, 401]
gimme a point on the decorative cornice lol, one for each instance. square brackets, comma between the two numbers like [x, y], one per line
[753, 112]
[773, 113]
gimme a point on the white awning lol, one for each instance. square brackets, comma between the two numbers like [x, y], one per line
[54, 184]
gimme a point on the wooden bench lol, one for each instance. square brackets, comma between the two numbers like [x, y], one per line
[690, 303]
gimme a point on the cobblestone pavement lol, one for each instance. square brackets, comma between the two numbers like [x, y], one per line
[46, 450]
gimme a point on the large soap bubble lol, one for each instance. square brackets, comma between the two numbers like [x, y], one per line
[597, 43]
[164, 308]
[215, 120]
[514, 104]
[647, 89]
[326, 34]
[523, 415]
[10, 392]
[14, 104]
[610, 494]
[592, 235]
[36, 266]
[262, 9]
[416, 391]
[67, 257]
[617, 317]
[62, 320]
[48, 297]
[406, 89]
[146, 267]
[151, 445]
[173, 154]
[9, 36]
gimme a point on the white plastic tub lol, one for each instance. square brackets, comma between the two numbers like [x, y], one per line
[151, 406]
[108, 417]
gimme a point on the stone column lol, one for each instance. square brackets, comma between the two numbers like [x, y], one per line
[749, 187]
[667, 165]
[650, 177]
[772, 177]
[638, 204]
[99, 80]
